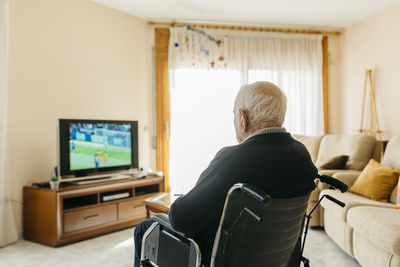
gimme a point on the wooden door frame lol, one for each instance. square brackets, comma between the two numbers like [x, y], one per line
[162, 102]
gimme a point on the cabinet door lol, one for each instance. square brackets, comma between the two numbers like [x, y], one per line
[131, 209]
[77, 220]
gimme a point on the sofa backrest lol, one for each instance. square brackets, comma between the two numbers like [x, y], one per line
[311, 143]
[358, 147]
[392, 158]
[392, 153]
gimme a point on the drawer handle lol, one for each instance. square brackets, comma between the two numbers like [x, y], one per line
[91, 216]
[136, 206]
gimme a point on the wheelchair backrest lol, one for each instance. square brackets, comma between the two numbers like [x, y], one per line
[256, 230]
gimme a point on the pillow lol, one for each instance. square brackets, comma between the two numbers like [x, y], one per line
[337, 163]
[376, 181]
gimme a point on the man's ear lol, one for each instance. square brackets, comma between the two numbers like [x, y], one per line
[243, 120]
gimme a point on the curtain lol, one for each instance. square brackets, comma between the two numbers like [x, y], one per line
[8, 232]
[292, 61]
[201, 121]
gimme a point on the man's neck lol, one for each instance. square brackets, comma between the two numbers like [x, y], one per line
[251, 130]
[266, 130]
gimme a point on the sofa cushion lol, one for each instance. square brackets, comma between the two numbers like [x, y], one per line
[351, 200]
[346, 176]
[311, 143]
[333, 172]
[368, 254]
[359, 148]
[379, 225]
[376, 181]
[391, 157]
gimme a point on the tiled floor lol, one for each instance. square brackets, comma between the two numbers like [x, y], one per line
[116, 249]
[323, 252]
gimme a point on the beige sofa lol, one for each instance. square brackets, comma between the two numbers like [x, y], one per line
[367, 230]
[359, 148]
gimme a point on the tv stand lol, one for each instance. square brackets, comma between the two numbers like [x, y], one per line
[76, 212]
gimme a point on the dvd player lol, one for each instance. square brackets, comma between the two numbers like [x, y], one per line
[115, 196]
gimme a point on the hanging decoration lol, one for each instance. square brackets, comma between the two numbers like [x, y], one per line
[211, 38]
[206, 50]
[203, 50]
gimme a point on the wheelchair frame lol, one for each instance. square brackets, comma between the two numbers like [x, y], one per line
[332, 182]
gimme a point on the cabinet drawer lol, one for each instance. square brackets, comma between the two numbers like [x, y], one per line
[77, 220]
[131, 209]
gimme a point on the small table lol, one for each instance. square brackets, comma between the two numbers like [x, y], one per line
[159, 203]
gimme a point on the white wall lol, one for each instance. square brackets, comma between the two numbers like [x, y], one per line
[334, 89]
[372, 43]
[72, 59]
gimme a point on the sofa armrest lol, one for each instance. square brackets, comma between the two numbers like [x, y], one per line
[346, 177]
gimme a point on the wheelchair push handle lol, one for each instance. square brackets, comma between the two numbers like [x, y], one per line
[335, 183]
[340, 203]
[257, 194]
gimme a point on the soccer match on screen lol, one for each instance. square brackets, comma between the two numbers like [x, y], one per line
[98, 145]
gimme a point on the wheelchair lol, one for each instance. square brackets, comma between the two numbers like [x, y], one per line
[255, 230]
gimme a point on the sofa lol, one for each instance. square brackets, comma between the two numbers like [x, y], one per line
[367, 230]
[359, 148]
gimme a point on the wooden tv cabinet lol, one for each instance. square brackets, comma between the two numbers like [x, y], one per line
[72, 213]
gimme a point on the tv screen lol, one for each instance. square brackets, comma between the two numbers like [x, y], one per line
[90, 146]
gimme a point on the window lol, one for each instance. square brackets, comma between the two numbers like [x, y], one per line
[202, 100]
[201, 121]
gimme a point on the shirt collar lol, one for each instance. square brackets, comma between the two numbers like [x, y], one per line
[267, 131]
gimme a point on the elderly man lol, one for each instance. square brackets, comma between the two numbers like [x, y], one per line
[266, 157]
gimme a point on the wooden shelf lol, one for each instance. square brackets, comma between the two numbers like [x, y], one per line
[72, 213]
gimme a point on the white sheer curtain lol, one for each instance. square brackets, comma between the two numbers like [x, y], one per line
[203, 62]
[8, 232]
[201, 121]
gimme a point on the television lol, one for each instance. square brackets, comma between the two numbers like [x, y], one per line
[89, 148]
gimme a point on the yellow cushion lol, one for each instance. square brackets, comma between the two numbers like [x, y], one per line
[376, 181]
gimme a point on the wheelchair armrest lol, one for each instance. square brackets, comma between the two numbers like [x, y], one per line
[163, 220]
[163, 246]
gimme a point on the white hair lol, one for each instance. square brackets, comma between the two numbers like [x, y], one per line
[264, 101]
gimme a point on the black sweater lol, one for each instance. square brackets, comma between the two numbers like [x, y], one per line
[273, 162]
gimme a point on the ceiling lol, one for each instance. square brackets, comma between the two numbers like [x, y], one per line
[310, 13]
